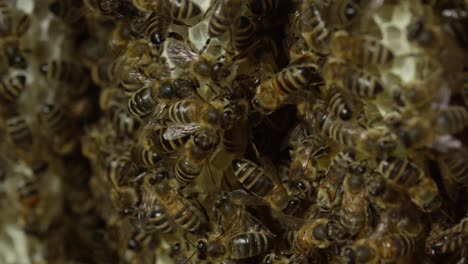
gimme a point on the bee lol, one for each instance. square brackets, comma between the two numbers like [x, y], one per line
[235, 121]
[313, 28]
[266, 192]
[154, 216]
[156, 28]
[329, 193]
[55, 120]
[454, 166]
[153, 139]
[263, 7]
[181, 210]
[176, 9]
[190, 116]
[66, 72]
[338, 104]
[105, 72]
[19, 131]
[140, 248]
[357, 82]
[421, 188]
[11, 88]
[197, 152]
[383, 194]
[271, 93]
[304, 161]
[144, 157]
[451, 120]
[123, 122]
[342, 14]
[389, 248]
[354, 206]
[223, 16]
[28, 191]
[235, 245]
[11, 29]
[199, 67]
[149, 100]
[448, 240]
[437, 42]
[112, 8]
[314, 234]
[253, 177]
[360, 50]
[277, 258]
[243, 33]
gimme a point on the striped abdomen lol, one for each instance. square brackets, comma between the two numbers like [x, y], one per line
[161, 145]
[362, 84]
[401, 172]
[292, 79]
[187, 170]
[223, 16]
[252, 177]
[249, 244]
[184, 9]
[244, 33]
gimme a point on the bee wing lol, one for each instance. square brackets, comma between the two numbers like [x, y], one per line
[241, 197]
[180, 54]
[180, 130]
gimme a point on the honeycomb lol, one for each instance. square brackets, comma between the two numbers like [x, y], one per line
[230, 131]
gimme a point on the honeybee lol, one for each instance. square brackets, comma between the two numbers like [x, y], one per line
[357, 82]
[329, 193]
[266, 191]
[189, 116]
[66, 72]
[140, 248]
[437, 42]
[235, 132]
[144, 157]
[55, 120]
[454, 166]
[389, 247]
[421, 188]
[263, 7]
[223, 15]
[123, 122]
[151, 99]
[243, 33]
[180, 209]
[338, 104]
[342, 14]
[451, 120]
[154, 215]
[153, 139]
[277, 258]
[156, 28]
[105, 72]
[313, 28]
[304, 161]
[448, 240]
[234, 245]
[113, 8]
[11, 46]
[19, 131]
[197, 151]
[200, 67]
[360, 50]
[354, 206]
[177, 9]
[383, 194]
[11, 88]
[271, 93]
[315, 234]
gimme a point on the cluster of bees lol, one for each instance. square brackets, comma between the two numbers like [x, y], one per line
[230, 131]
